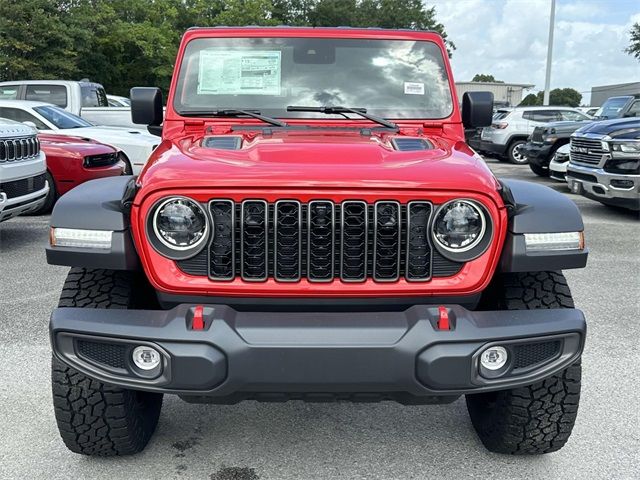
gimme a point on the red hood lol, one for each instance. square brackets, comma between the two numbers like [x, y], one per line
[68, 145]
[318, 159]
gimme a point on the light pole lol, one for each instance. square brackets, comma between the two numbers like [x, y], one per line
[547, 78]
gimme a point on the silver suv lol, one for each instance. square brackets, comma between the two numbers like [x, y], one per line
[512, 126]
[23, 184]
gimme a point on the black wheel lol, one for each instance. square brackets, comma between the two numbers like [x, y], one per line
[51, 198]
[514, 153]
[538, 418]
[94, 418]
[538, 170]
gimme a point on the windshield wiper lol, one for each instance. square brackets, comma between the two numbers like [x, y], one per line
[233, 112]
[338, 110]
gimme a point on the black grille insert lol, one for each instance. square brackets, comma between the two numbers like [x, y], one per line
[253, 235]
[221, 251]
[386, 243]
[110, 354]
[25, 186]
[419, 250]
[354, 244]
[529, 354]
[321, 238]
[287, 259]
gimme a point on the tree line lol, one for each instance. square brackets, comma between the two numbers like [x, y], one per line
[125, 43]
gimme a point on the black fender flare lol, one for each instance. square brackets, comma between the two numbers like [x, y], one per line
[535, 208]
[101, 204]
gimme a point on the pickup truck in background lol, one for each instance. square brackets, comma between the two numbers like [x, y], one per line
[84, 98]
[545, 140]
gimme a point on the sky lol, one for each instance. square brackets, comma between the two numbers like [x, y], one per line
[508, 39]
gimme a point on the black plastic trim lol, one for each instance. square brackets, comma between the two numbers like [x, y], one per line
[515, 257]
[317, 351]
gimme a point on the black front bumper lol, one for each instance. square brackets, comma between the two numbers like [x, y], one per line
[537, 153]
[281, 355]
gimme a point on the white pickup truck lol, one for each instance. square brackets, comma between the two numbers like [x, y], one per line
[85, 99]
[23, 183]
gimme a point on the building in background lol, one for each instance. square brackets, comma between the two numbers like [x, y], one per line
[600, 94]
[504, 94]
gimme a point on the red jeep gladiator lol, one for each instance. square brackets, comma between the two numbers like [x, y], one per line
[313, 227]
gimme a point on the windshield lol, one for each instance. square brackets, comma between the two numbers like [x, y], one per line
[61, 118]
[612, 107]
[391, 79]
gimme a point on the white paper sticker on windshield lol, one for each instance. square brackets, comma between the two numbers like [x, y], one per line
[413, 88]
[240, 72]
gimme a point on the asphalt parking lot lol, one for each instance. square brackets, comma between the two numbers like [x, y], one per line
[334, 441]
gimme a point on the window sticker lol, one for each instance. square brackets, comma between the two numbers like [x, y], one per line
[413, 88]
[240, 72]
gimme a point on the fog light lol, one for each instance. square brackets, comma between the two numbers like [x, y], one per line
[146, 358]
[494, 358]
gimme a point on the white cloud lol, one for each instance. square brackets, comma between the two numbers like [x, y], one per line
[508, 39]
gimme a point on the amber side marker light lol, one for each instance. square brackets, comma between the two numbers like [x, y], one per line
[539, 242]
[80, 238]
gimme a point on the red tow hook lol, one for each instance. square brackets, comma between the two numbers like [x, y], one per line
[198, 318]
[443, 319]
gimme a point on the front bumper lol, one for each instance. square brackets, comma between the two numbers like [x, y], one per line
[12, 207]
[281, 355]
[537, 153]
[596, 184]
[486, 146]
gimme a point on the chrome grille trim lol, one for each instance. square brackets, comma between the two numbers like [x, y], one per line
[216, 234]
[332, 245]
[427, 242]
[397, 232]
[18, 149]
[365, 244]
[279, 249]
[244, 255]
[587, 151]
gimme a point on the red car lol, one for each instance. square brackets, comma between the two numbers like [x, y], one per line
[314, 227]
[74, 160]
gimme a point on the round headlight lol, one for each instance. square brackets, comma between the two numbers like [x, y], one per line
[459, 226]
[180, 223]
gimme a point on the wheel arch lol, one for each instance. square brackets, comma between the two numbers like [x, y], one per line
[536, 208]
[101, 204]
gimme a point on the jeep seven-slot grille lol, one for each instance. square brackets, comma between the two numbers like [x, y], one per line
[320, 241]
[19, 149]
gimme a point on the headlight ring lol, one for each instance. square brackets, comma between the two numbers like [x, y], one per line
[178, 227]
[461, 230]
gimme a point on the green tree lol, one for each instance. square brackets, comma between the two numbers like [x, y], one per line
[634, 41]
[122, 43]
[36, 40]
[530, 100]
[561, 97]
[483, 77]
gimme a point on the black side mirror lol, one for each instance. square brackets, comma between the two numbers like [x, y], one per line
[477, 109]
[146, 108]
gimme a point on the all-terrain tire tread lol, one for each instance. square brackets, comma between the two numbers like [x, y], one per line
[95, 418]
[536, 418]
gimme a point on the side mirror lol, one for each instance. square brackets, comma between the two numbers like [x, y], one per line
[146, 108]
[477, 109]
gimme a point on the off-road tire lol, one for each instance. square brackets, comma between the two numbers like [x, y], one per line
[538, 170]
[538, 418]
[517, 159]
[95, 418]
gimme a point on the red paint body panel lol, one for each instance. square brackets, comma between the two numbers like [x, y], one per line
[315, 164]
[65, 156]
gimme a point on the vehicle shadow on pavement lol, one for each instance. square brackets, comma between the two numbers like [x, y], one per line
[255, 440]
